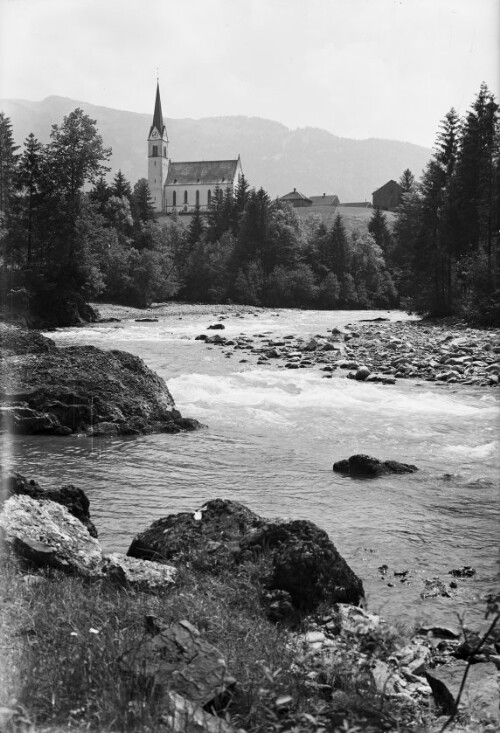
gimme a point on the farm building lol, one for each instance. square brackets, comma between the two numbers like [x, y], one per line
[296, 199]
[325, 200]
[388, 196]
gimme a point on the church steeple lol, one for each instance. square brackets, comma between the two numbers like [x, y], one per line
[157, 155]
[158, 117]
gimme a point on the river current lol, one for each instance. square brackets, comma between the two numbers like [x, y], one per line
[272, 436]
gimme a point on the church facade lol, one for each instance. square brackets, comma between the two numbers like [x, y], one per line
[184, 187]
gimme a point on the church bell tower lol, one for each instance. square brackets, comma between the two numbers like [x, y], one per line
[157, 155]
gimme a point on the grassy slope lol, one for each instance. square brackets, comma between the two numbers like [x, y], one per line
[64, 674]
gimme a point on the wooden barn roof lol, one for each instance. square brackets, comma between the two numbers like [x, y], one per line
[325, 200]
[294, 196]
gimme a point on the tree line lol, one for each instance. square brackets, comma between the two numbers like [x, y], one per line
[68, 236]
[445, 256]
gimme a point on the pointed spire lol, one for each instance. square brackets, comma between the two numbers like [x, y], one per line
[158, 115]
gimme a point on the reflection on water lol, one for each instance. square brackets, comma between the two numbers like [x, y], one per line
[271, 439]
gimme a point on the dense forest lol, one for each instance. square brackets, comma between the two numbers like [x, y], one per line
[68, 236]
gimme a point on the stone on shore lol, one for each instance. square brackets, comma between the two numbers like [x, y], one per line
[74, 499]
[45, 534]
[139, 574]
[180, 715]
[178, 659]
[362, 466]
[59, 391]
[303, 562]
[480, 694]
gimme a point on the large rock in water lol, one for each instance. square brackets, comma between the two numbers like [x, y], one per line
[303, 561]
[363, 466]
[74, 499]
[81, 389]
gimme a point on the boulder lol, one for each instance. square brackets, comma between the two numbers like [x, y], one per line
[139, 574]
[303, 562]
[362, 373]
[178, 659]
[216, 326]
[215, 529]
[83, 389]
[480, 694]
[434, 588]
[74, 499]
[217, 339]
[17, 341]
[180, 715]
[44, 533]
[22, 420]
[306, 564]
[363, 466]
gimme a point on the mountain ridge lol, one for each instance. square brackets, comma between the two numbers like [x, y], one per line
[276, 157]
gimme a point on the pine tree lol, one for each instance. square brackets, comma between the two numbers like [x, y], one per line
[407, 181]
[121, 187]
[379, 229]
[338, 249]
[196, 228]
[29, 183]
[8, 162]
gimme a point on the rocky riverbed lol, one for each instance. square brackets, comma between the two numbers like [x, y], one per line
[379, 350]
[382, 351]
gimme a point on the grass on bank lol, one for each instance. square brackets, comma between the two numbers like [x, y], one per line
[62, 637]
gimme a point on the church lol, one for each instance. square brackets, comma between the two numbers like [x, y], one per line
[183, 187]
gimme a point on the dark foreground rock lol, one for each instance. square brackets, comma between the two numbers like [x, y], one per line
[179, 659]
[59, 391]
[74, 499]
[301, 559]
[363, 466]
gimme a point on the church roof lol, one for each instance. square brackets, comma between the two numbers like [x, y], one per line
[214, 172]
[158, 115]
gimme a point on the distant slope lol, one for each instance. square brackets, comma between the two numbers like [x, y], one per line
[310, 159]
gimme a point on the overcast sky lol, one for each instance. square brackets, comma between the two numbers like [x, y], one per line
[358, 68]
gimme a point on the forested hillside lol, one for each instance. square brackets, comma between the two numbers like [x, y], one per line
[68, 235]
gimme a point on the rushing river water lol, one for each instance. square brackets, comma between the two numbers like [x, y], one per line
[271, 439]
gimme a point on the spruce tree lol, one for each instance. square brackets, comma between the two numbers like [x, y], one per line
[29, 184]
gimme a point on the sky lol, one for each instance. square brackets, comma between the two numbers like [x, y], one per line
[357, 68]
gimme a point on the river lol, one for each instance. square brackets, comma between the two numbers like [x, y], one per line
[272, 436]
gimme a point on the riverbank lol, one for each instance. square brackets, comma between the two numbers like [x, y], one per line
[73, 649]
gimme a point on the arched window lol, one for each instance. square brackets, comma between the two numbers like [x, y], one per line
[185, 197]
[197, 198]
[155, 150]
[174, 198]
[164, 151]
[209, 197]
